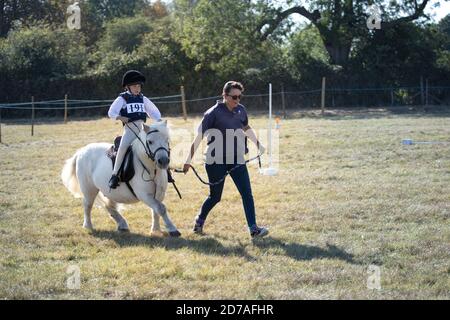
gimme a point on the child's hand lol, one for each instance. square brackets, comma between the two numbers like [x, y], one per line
[186, 167]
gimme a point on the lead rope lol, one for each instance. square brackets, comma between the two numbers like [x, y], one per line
[211, 184]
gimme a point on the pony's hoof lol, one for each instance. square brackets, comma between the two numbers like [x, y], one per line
[175, 234]
[123, 230]
[88, 228]
[157, 233]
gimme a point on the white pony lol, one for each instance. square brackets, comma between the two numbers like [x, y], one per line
[87, 172]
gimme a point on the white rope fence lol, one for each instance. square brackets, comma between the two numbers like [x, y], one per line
[76, 104]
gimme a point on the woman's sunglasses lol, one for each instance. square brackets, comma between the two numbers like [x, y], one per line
[235, 97]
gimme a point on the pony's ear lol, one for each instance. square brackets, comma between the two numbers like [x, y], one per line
[165, 123]
[145, 128]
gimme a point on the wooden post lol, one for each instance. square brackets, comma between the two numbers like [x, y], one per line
[0, 125]
[426, 93]
[32, 116]
[332, 100]
[422, 100]
[183, 103]
[65, 109]
[392, 97]
[323, 95]
[283, 102]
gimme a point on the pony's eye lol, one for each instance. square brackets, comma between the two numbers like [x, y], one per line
[149, 142]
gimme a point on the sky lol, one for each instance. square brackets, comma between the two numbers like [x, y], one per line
[436, 13]
[440, 12]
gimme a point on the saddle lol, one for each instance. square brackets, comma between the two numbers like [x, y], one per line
[126, 170]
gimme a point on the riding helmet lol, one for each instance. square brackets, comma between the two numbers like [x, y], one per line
[132, 77]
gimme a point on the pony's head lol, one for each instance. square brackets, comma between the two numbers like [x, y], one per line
[156, 138]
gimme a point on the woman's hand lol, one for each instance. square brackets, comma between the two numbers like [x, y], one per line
[123, 119]
[186, 167]
[261, 149]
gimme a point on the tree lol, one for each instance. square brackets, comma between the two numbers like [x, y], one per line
[339, 22]
[443, 55]
[147, 43]
[219, 36]
[96, 13]
[36, 57]
[23, 12]
[124, 35]
[110, 9]
[444, 28]
[307, 59]
[397, 55]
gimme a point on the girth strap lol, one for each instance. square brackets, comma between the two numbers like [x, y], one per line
[131, 189]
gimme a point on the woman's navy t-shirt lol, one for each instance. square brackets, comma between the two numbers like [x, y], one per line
[221, 123]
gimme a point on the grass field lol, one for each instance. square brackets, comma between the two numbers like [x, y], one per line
[348, 196]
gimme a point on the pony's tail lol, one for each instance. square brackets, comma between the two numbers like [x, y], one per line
[69, 176]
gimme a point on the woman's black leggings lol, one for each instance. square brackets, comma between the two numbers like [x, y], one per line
[241, 180]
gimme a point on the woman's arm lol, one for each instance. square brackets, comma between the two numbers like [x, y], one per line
[206, 124]
[194, 146]
[250, 133]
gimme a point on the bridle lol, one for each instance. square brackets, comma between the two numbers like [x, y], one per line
[148, 151]
[152, 156]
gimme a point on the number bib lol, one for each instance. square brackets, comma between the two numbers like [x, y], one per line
[135, 107]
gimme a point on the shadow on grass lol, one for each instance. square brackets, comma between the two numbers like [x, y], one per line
[211, 246]
[306, 252]
[205, 245]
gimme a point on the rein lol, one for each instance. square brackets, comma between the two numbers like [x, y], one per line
[152, 156]
[211, 184]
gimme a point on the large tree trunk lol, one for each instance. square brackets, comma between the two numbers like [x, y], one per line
[2, 18]
[339, 53]
[338, 49]
[340, 28]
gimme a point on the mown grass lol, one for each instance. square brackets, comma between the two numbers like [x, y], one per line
[348, 195]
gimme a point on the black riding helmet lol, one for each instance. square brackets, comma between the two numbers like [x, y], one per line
[132, 77]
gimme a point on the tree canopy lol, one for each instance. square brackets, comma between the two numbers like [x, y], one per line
[201, 44]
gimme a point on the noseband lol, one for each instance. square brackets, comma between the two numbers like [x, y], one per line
[151, 154]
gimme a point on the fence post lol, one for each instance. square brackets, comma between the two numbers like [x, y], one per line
[65, 109]
[32, 116]
[422, 100]
[0, 125]
[283, 103]
[323, 95]
[183, 103]
[426, 92]
[392, 97]
[332, 99]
